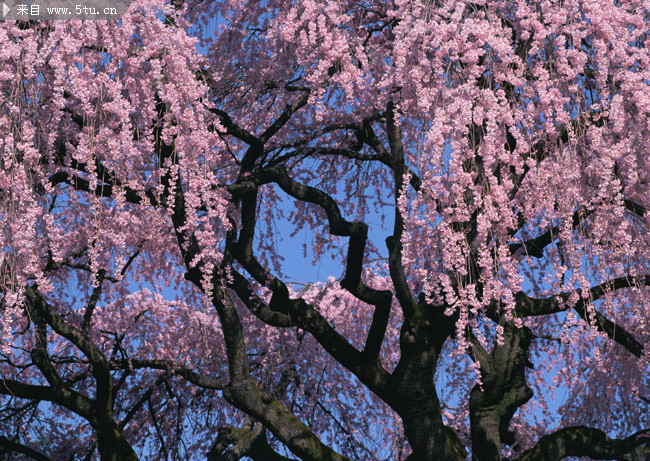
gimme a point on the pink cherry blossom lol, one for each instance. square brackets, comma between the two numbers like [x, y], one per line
[471, 179]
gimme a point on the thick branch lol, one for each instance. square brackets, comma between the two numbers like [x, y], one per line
[535, 247]
[367, 134]
[242, 391]
[586, 441]
[527, 306]
[99, 412]
[233, 129]
[258, 307]
[305, 315]
[205, 382]
[10, 446]
[234, 443]
[36, 392]
[92, 302]
[101, 369]
[101, 190]
[394, 242]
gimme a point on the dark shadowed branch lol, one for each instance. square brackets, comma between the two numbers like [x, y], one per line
[586, 441]
[11, 446]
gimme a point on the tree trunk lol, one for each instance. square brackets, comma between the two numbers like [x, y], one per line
[429, 438]
[504, 390]
[486, 440]
[113, 446]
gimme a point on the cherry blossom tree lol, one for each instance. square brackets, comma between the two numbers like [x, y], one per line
[478, 172]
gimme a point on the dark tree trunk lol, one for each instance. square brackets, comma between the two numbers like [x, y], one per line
[415, 397]
[113, 446]
[429, 438]
[504, 390]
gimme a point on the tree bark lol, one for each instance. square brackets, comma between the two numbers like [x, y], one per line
[503, 391]
[413, 394]
[112, 445]
[429, 438]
